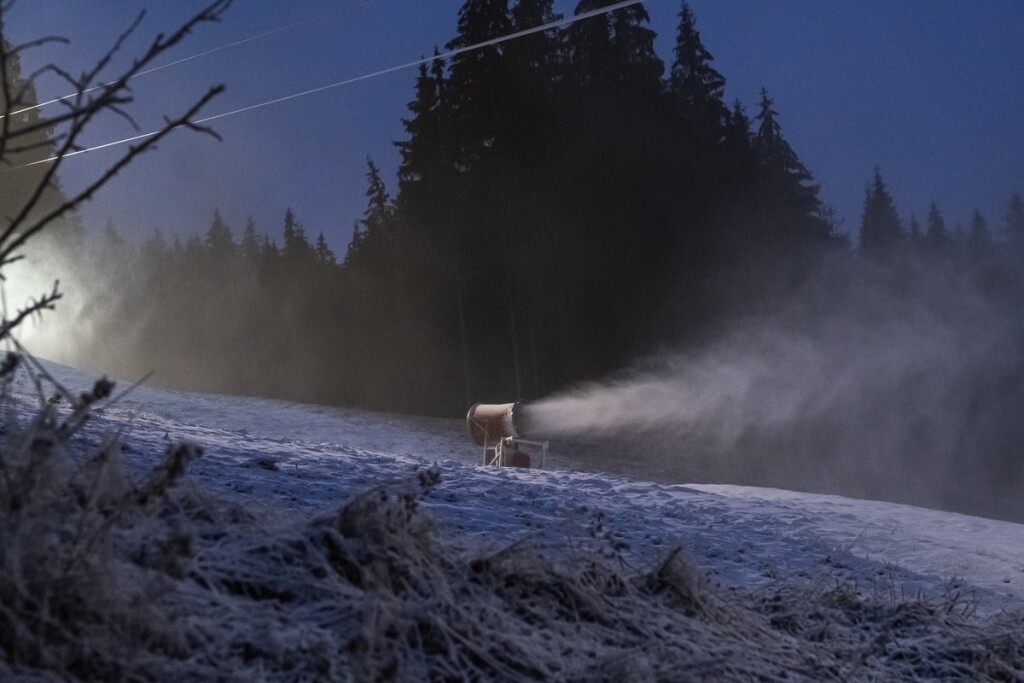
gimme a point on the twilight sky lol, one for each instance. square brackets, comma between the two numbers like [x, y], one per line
[931, 91]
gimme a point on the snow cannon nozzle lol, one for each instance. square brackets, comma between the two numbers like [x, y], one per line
[489, 423]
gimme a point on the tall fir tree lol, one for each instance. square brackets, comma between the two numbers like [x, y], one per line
[428, 173]
[696, 86]
[880, 230]
[537, 53]
[218, 241]
[735, 204]
[787, 193]
[478, 79]
[534, 65]
[421, 153]
[633, 41]
[373, 237]
[296, 248]
[711, 154]
[615, 51]
[324, 254]
[250, 244]
[781, 169]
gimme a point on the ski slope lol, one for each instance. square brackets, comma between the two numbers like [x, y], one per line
[314, 543]
[293, 461]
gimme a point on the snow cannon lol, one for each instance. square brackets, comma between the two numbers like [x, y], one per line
[498, 429]
[489, 423]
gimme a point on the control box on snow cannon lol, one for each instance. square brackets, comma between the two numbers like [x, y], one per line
[498, 428]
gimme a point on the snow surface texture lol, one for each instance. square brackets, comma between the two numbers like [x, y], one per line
[527, 574]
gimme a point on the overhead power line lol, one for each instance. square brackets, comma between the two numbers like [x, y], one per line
[559, 24]
[176, 62]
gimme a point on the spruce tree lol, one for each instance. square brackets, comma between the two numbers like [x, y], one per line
[539, 52]
[296, 248]
[615, 51]
[533, 64]
[324, 255]
[428, 224]
[372, 242]
[736, 203]
[633, 40]
[478, 80]
[428, 174]
[250, 245]
[787, 195]
[711, 152]
[880, 229]
[423, 159]
[218, 239]
[696, 86]
[379, 209]
[269, 253]
[781, 169]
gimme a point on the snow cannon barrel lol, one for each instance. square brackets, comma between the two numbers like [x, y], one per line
[489, 423]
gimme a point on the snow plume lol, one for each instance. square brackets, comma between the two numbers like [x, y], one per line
[136, 310]
[902, 382]
[717, 395]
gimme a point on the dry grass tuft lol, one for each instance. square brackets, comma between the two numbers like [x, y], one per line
[108, 577]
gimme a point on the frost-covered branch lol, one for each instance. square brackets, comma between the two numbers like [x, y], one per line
[92, 99]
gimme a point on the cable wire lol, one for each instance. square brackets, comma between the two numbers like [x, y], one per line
[559, 24]
[243, 41]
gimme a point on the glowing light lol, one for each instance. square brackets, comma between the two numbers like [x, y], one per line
[51, 334]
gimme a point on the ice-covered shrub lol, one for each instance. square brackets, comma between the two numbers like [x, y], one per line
[71, 601]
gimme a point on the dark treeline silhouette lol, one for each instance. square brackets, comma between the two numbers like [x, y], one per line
[566, 204]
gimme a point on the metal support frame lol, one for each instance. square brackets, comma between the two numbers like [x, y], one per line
[499, 455]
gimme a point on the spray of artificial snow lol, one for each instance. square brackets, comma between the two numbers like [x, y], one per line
[909, 397]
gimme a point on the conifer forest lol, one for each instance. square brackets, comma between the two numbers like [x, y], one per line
[567, 204]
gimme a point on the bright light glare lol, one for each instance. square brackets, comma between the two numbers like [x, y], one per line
[50, 334]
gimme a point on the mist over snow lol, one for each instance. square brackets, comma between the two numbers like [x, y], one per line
[898, 381]
[903, 384]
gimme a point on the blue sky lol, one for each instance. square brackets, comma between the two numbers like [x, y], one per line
[928, 90]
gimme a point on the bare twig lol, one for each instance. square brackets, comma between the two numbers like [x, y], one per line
[44, 303]
[79, 113]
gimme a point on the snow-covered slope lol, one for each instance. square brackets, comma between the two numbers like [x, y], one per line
[295, 459]
[314, 543]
